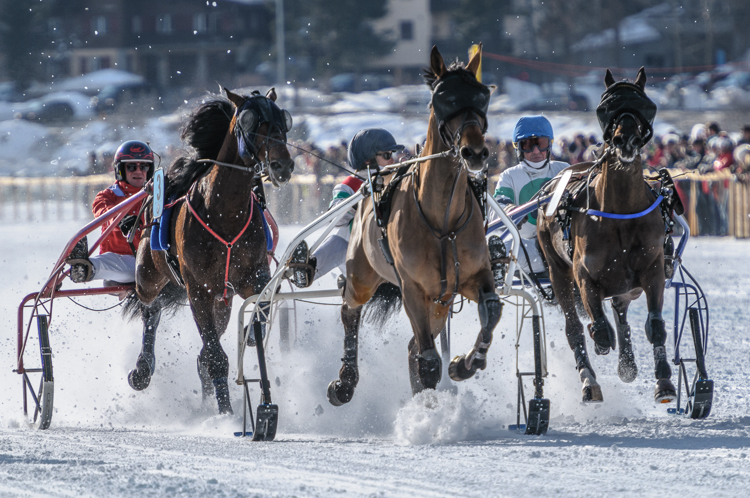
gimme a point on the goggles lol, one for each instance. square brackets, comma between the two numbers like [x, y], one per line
[528, 144]
[132, 167]
[385, 155]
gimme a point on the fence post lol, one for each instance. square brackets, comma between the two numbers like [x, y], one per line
[29, 214]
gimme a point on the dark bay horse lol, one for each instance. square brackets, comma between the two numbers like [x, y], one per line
[435, 235]
[617, 258]
[217, 238]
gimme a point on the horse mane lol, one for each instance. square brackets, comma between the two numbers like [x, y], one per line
[203, 135]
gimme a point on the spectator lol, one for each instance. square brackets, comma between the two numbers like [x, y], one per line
[725, 159]
[712, 128]
[745, 135]
[698, 158]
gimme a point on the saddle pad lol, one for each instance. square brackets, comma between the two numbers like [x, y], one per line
[160, 231]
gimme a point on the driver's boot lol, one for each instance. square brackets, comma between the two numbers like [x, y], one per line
[81, 268]
[302, 266]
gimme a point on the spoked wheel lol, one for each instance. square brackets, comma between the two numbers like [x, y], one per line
[38, 383]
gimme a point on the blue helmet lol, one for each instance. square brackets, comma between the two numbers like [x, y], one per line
[532, 126]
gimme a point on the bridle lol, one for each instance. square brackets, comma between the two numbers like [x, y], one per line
[248, 118]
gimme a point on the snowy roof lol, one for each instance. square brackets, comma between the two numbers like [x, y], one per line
[633, 30]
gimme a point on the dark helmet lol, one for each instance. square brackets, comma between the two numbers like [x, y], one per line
[366, 143]
[133, 151]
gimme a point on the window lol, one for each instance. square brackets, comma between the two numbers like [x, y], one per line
[136, 25]
[407, 30]
[99, 25]
[164, 24]
[200, 23]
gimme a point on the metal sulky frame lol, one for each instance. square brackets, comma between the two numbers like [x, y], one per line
[38, 381]
[260, 311]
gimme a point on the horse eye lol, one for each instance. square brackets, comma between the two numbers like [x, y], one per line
[287, 121]
[247, 120]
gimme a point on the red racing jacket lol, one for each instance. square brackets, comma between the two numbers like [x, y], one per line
[106, 200]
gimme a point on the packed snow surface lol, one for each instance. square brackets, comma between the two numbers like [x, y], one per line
[107, 440]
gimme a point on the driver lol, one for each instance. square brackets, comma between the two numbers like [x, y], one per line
[373, 147]
[134, 166]
[532, 139]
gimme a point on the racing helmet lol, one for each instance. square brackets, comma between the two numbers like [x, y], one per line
[368, 142]
[532, 127]
[133, 151]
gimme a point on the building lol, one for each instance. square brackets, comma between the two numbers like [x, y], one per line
[171, 43]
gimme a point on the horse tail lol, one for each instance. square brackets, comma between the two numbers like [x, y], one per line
[385, 303]
[171, 298]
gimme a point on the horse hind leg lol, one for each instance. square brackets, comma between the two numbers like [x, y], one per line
[465, 366]
[665, 391]
[140, 377]
[341, 390]
[627, 369]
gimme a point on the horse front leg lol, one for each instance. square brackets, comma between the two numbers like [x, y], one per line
[341, 390]
[665, 391]
[490, 310]
[212, 317]
[427, 320]
[627, 369]
[564, 288]
[600, 330]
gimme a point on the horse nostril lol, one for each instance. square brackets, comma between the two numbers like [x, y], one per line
[485, 153]
[466, 152]
[618, 141]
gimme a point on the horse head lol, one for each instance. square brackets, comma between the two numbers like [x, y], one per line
[626, 115]
[459, 104]
[261, 127]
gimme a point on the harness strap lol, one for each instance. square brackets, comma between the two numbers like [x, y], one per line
[444, 237]
[594, 212]
[228, 245]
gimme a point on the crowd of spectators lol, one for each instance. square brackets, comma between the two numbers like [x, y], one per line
[706, 149]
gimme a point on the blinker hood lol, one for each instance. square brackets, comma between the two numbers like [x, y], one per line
[266, 111]
[457, 91]
[624, 97]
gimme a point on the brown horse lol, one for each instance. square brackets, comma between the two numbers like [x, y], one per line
[247, 135]
[618, 258]
[435, 235]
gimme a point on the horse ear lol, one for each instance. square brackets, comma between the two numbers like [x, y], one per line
[492, 89]
[233, 97]
[640, 80]
[473, 64]
[609, 80]
[436, 62]
[272, 94]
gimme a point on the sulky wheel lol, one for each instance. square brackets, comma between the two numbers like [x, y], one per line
[38, 383]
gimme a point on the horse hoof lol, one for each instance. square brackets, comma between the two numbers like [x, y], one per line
[627, 370]
[338, 394]
[138, 380]
[457, 370]
[665, 391]
[601, 350]
[592, 394]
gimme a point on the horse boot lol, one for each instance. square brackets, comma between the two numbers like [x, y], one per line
[140, 377]
[603, 334]
[665, 391]
[668, 257]
[222, 395]
[81, 268]
[498, 259]
[490, 310]
[302, 266]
